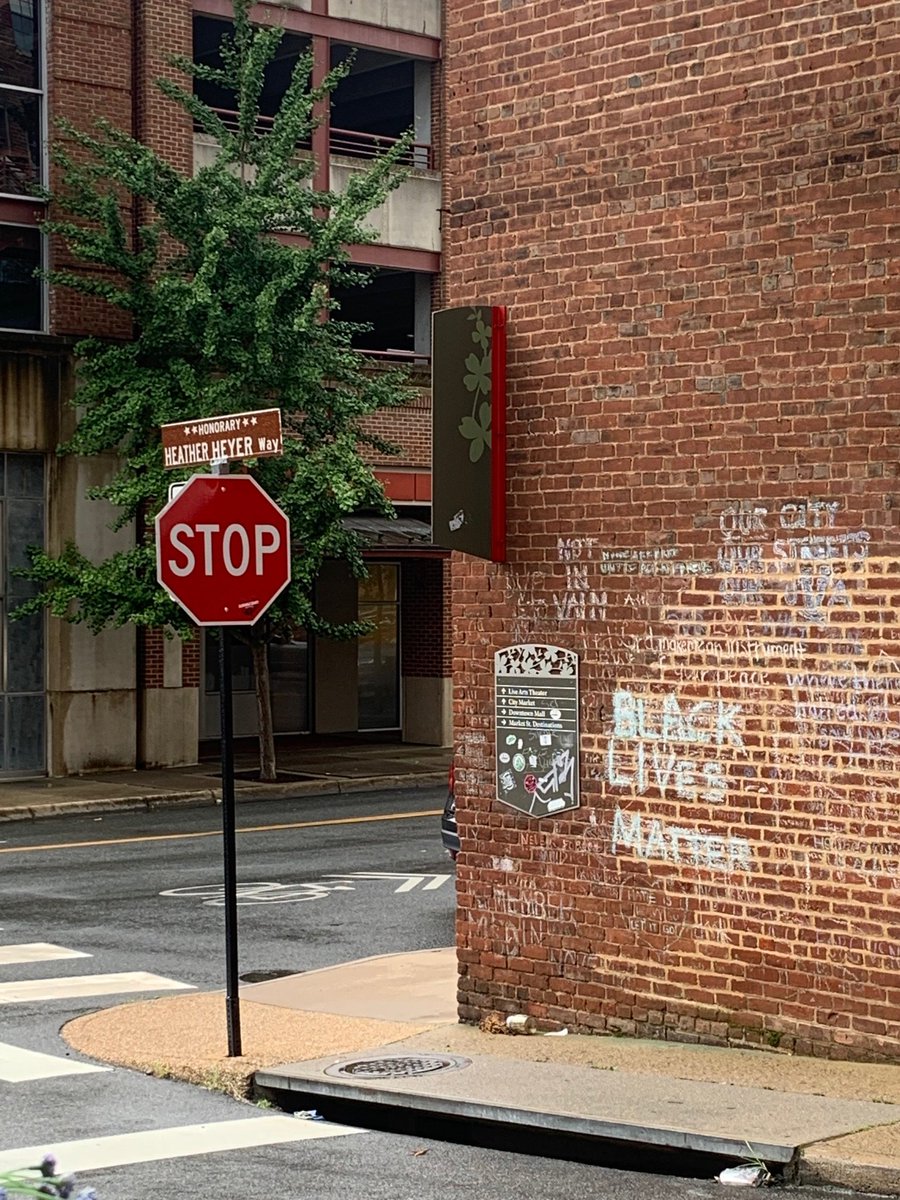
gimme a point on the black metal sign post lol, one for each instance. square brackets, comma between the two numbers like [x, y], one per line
[226, 718]
[227, 593]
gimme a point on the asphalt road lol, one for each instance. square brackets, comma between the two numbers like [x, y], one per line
[321, 881]
[101, 881]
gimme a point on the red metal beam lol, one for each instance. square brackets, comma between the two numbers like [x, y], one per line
[356, 33]
[398, 257]
[21, 212]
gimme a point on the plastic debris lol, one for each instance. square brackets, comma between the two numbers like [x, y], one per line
[557, 1033]
[749, 1175]
[418, 1153]
[309, 1114]
[520, 1023]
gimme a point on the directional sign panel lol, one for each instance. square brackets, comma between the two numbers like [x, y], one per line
[536, 707]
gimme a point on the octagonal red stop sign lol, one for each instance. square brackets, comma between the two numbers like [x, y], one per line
[223, 549]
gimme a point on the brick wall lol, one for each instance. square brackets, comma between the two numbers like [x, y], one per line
[425, 646]
[408, 428]
[691, 210]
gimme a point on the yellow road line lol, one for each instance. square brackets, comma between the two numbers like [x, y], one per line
[179, 837]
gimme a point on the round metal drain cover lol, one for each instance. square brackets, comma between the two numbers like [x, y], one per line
[400, 1067]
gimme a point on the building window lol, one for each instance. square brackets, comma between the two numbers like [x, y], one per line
[383, 96]
[378, 654]
[22, 698]
[208, 34]
[21, 293]
[397, 306]
[21, 98]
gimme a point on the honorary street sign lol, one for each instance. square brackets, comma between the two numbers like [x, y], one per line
[536, 711]
[217, 439]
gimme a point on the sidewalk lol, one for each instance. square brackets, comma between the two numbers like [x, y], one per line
[383, 1032]
[307, 766]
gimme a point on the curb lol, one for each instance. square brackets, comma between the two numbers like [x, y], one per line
[844, 1173]
[339, 785]
[374, 1105]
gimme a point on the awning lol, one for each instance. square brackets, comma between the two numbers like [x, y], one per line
[400, 534]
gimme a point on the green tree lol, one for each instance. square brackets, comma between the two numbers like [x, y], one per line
[225, 318]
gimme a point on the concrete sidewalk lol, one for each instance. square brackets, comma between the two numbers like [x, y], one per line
[307, 766]
[382, 1033]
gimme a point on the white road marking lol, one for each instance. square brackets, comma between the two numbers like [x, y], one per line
[66, 987]
[19, 1066]
[28, 952]
[181, 1141]
[411, 882]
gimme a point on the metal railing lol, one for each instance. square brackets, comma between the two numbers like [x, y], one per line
[415, 358]
[368, 145]
[349, 142]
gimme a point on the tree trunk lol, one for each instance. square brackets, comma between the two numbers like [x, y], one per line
[260, 652]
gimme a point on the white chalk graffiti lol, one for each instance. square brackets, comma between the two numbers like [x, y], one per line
[650, 838]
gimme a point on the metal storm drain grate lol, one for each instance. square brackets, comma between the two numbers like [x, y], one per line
[398, 1068]
[267, 976]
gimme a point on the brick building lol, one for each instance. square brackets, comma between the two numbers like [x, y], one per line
[70, 701]
[690, 210]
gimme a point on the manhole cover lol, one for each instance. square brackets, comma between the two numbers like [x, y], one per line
[265, 976]
[398, 1068]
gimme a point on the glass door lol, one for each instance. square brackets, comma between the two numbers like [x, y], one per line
[378, 655]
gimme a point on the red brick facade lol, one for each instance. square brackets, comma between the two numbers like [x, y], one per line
[691, 211]
[425, 647]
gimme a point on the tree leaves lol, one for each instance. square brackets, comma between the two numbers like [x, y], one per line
[226, 317]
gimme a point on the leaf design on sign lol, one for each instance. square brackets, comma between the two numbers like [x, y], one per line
[479, 374]
[477, 432]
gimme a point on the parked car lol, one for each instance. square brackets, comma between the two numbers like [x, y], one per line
[449, 830]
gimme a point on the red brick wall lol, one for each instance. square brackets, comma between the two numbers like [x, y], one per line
[691, 210]
[408, 428]
[100, 65]
[425, 648]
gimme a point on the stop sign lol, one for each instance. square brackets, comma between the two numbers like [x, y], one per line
[223, 549]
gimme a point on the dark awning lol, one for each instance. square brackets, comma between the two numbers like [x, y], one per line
[400, 534]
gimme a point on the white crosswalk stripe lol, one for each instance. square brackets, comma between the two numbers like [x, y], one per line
[182, 1141]
[18, 1065]
[23, 1066]
[67, 987]
[31, 952]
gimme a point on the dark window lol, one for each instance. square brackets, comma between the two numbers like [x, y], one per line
[377, 97]
[22, 660]
[388, 304]
[20, 142]
[208, 36]
[20, 63]
[20, 292]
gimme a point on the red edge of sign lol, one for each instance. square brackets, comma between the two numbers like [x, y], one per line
[498, 433]
[175, 600]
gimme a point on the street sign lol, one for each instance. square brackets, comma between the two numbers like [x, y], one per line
[536, 722]
[223, 550]
[220, 439]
